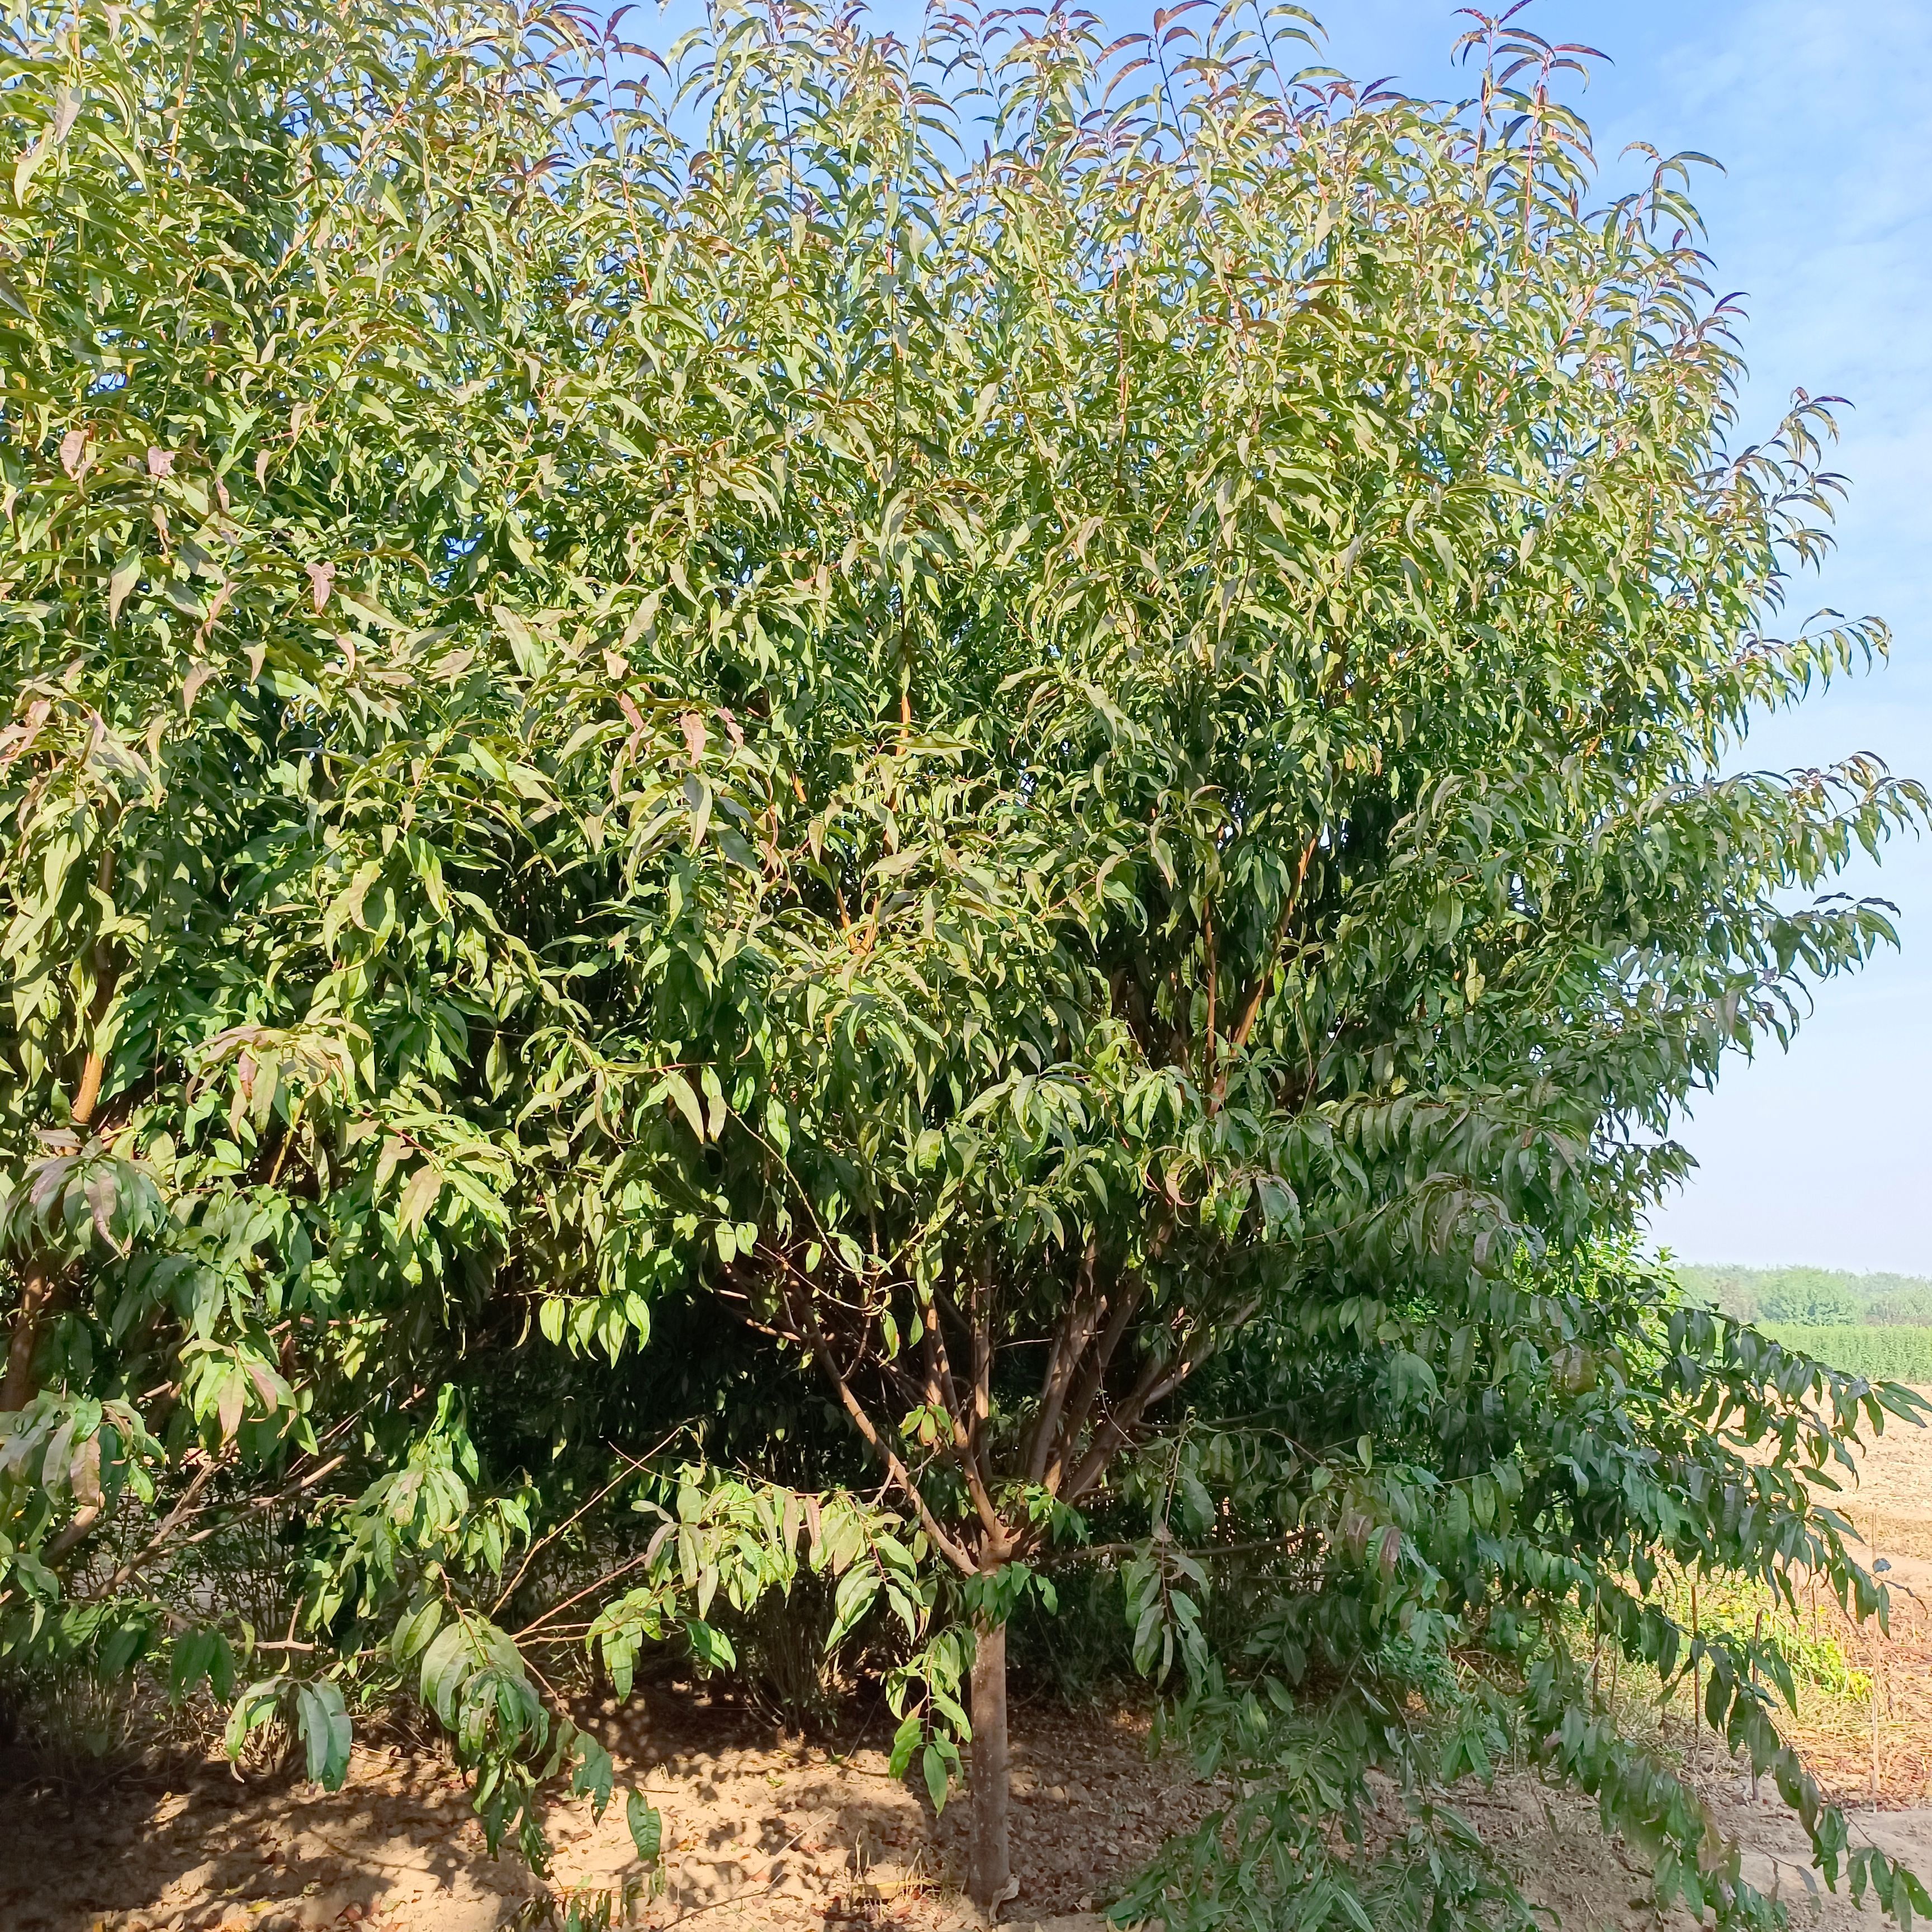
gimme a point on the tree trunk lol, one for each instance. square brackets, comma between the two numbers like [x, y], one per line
[37, 1289]
[39, 1284]
[988, 1872]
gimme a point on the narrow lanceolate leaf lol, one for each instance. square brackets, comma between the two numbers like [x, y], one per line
[324, 1725]
[1039, 833]
[420, 1195]
[646, 1826]
[126, 574]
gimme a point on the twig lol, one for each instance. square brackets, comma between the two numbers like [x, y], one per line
[168, 1524]
[77, 1530]
[1252, 1012]
[542, 1542]
[609, 1576]
[821, 1349]
[1256, 1546]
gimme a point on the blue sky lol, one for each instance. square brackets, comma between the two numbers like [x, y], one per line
[1817, 110]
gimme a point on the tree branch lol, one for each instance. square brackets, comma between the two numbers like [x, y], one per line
[1211, 1059]
[37, 1292]
[1070, 1340]
[40, 1286]
[982, 1333]
[77, 1532]
[1251, 1012]
[1155, 1385]
[965, 1437]
[1093, 1378]
[955, 1552]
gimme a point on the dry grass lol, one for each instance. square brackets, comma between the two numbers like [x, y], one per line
[1878, 1747]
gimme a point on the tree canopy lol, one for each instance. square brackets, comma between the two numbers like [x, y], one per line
[1002, 763]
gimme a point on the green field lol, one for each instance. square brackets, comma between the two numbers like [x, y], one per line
[1899, 1354]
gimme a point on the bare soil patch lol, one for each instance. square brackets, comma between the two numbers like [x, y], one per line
[773, 1834]
[759, 1830]
[1876, 1749]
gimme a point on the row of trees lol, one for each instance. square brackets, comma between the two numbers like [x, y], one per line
[938, 813]
[1811, 1295]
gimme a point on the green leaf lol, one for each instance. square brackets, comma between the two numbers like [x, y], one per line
[646, 1826]
[932, 1768]
[710, 1645]
[126, 574]
[592, 1774]
[447, 1665]
[416, 1629]
[420, 1193]
[324, 1728]
[906, 1742]
[252, 1709]
[524, 646]
[858, 1590]
[680, 1090]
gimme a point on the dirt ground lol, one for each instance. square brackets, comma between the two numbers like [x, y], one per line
[773, 1835]
[1880, 1747]
[758, 1830]
[1892, 1503]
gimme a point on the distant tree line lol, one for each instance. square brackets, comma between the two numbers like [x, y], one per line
[1816, 1297]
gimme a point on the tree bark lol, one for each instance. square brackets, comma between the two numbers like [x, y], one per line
[989, 1864]
[40, 1287]
[36, 1294]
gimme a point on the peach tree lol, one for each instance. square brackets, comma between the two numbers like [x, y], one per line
[1022, 747]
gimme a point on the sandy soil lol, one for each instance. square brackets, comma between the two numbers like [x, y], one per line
[771, 1838]
[1883, 1745]
[757, 1830]
[765, 1833]
[1892, 1500]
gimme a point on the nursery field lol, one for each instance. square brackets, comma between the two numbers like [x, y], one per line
[1895, 1354]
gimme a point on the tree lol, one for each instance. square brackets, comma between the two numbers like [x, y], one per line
[1046, 718]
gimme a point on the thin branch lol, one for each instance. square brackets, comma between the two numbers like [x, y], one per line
[1278, 1545]
[37, 1293]
[1251, 1011]
[543, 1542]
[1112, 1435]
[965, 1444]
[1155, 1386]
[170, 1523]
[954, 1552]
[1092, 1379]
[609, 1576]
[77, 1530]
[1211, 1060]
[41, 1285]
[983, 1345]
[1071, 1338]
